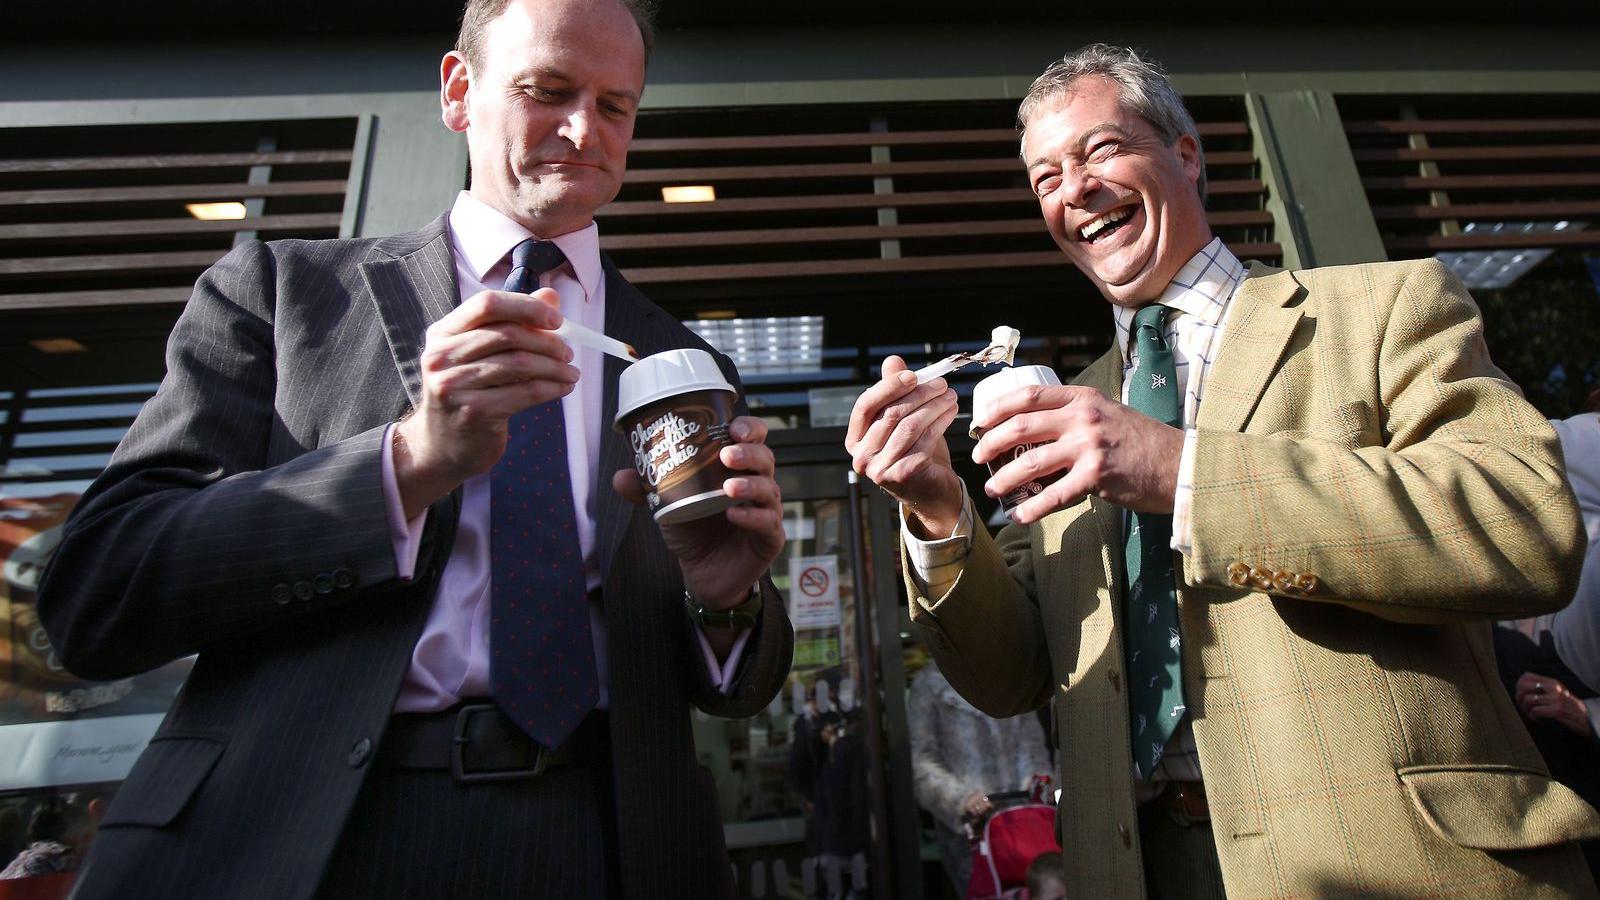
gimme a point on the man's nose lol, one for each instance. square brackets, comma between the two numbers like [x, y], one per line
[1078, 184]
[578, 126]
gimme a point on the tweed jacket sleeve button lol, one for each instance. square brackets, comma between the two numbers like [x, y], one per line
[1262, 579]
[281, 594]
[1239, 574]
[1283, 581]
[1307, 582]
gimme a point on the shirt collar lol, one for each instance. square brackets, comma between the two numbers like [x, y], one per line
[483, 236]
[1201, 289]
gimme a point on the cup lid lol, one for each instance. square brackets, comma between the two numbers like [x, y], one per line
[1004, 382]
[664, 375]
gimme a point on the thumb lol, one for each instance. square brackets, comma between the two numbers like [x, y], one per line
[893, 364]
[628, 486]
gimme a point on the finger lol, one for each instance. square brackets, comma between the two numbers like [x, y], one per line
[887, 470]
[500, 337]
[502, 369]
[1031, 397]
[902, 418]
[748, 429]
[628, 486]
[1018, 467]
[919, 424]
[761, 520]
[758, 491]
[487, 307]
[754, 458]
[1076, 483]
[896, 382]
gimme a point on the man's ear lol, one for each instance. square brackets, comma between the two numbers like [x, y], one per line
[1189, 152]
[455, 81]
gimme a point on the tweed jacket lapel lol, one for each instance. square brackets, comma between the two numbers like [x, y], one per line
[1258, 328]
[1105, 376]
[629, 318]
[411, 280]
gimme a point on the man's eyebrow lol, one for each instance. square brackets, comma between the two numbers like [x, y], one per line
[549, 73]
[1082, 142]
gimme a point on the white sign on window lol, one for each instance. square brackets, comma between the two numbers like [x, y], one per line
[814, 591]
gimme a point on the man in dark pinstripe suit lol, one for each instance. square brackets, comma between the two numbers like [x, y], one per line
[305, 504]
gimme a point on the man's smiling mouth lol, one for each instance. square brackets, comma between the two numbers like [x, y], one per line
[1103, 226]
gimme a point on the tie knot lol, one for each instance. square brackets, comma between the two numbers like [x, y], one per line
[1152, 316]
[529, 260]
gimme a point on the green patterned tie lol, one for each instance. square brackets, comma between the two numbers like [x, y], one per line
[1150, 620]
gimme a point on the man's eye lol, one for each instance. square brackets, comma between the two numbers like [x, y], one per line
[1103, 149]
[1047, 185]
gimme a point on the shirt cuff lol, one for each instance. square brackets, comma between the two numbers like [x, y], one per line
[1183, 497]
[722, 673]
[406, 536]
[936, 564]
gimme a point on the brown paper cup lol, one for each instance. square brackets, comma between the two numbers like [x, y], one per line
[985, 393]
[674, 408]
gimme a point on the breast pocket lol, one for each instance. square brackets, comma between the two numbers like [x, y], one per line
[165, 779]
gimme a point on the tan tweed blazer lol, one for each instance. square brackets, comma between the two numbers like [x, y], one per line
[1369, 492]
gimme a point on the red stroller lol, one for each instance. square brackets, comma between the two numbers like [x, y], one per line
[1021, 826]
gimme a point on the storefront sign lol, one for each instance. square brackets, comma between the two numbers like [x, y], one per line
[814, 591]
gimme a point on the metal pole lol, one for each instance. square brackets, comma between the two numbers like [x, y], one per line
[871, 705]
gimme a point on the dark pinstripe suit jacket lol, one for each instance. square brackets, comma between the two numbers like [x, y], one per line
[242, 519]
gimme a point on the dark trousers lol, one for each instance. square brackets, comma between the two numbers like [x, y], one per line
[1180, 856]
[417, 833]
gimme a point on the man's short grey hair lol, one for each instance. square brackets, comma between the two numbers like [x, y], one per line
[1142, 86]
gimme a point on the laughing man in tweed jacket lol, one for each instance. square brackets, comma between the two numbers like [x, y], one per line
[1355, 491]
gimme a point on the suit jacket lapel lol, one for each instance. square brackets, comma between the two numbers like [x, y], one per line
[1258, 328]
[411, 279]
[629, 318]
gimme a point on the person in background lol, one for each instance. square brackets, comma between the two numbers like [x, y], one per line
[48, 851]
[1550, 664]
[1047, 879]
[960, 755]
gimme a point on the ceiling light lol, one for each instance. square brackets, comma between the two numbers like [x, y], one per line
[58, 345]
[689, 193]
[210, 212]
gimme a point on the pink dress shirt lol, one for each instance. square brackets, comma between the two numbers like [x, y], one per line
[451, 659]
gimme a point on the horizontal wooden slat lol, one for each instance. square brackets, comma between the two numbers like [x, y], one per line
[73, 425]
[833, 267]
[64, 300]
[1499, 211]
[97, 263]
[1485, 241]
[871, 139]
[63, 475]
[126, 228]
[185, 192]
[72, 449]
[1469, 126]
[866, 201]
[668, 240]
[714, 174]
[173, 161]
[1505, 152]
[1482, 182]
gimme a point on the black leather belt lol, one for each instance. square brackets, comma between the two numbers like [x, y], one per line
[476, 742]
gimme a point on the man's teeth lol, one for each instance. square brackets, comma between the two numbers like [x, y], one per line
[1106, 221]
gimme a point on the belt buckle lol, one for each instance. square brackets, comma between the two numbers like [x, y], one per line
[460, 739]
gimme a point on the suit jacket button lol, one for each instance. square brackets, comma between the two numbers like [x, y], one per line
[344, 578]
[360, 752]
[1239, 574]
[323, 584]
[1306, 581]
[303, 590]
[281, 594]
[1122, 832]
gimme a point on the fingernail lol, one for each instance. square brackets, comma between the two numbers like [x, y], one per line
[741, 430]
[908, 378]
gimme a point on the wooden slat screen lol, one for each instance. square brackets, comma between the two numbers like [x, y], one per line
[908, 229]
[95, 217]
[868, 191]
[1440, 172]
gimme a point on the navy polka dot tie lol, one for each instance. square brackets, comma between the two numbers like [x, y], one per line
[541, 654]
